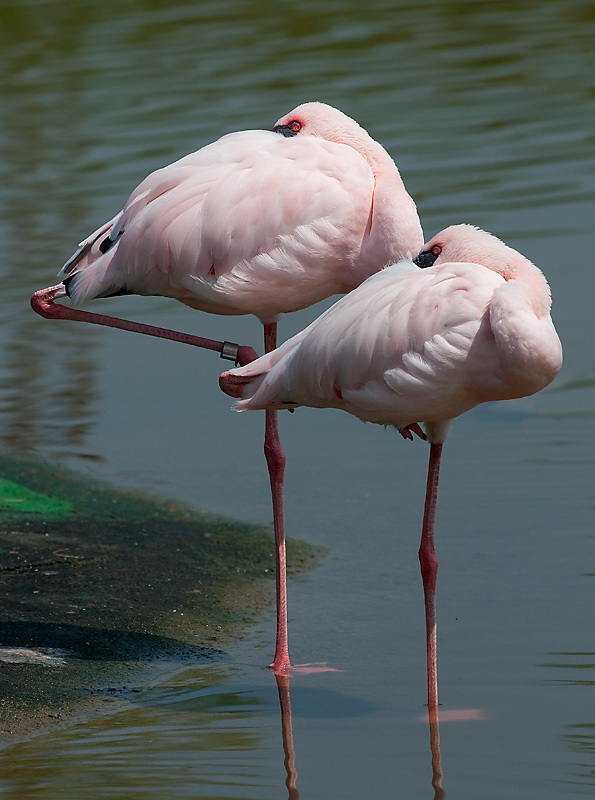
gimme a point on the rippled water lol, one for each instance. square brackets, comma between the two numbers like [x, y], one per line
[489, 110]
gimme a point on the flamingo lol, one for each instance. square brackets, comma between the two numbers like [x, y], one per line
[258, 222]
[466, 322]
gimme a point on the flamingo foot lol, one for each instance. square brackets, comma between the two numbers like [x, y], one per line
[310, 669]
[408, 430]
[280, 665]
[43, 303]
[302, 669]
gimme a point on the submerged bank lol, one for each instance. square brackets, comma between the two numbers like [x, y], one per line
[101, 589]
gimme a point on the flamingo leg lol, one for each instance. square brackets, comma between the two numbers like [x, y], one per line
[429, 572]
[275, 458]
[43, 303]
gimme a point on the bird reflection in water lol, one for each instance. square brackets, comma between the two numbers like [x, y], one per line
[289, 761]
[437, 774]
[283, 682]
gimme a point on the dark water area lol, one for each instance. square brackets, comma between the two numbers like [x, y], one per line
[489, 110]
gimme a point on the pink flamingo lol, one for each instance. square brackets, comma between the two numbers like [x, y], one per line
[259, 222]
[467, 322]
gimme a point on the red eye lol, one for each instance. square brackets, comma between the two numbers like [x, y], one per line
[436, 250]
[295, 126]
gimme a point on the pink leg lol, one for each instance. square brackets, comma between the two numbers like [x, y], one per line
[429, 571]
[42, 303]
[275, 458]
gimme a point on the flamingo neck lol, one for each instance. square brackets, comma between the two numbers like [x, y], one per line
[530, 280]
[394, 229]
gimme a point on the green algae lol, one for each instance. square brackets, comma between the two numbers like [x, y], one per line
[18, 499]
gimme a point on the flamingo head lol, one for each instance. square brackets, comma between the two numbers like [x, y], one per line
[322, 120]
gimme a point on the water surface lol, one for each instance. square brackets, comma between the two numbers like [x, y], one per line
[488, 108]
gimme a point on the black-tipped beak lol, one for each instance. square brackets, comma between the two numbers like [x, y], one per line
[426, 259]
[285, 130]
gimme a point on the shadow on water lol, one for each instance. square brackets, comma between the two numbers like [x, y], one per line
[312, 702]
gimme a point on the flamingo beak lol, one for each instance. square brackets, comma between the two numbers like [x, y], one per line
[284, 130]
[426, 259]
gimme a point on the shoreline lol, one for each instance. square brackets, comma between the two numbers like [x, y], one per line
[104, 590]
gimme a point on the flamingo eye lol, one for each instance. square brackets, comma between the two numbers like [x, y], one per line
[436, 250]
[295, 126]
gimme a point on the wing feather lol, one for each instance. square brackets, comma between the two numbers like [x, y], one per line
[252, 210]
[392, 351]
